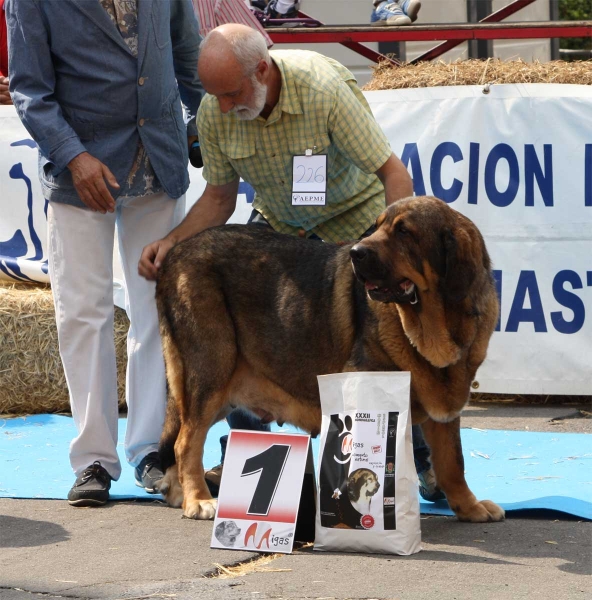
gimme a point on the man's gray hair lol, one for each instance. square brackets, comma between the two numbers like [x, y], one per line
[248, 47]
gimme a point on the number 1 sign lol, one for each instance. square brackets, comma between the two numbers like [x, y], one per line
[260, 491]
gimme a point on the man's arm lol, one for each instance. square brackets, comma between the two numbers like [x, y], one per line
[32, 83]
[215, 207]
[185, 39]
[395, 179]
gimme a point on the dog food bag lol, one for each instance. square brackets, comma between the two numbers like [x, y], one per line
[368, 489]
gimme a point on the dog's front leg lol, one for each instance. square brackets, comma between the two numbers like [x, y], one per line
[449, 467]
[197, 500]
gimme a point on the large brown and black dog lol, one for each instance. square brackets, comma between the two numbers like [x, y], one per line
[250, 317]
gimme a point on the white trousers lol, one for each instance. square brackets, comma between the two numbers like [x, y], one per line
[81, 273]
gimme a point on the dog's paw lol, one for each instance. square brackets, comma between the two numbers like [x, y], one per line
[200, 509]
[484, 511]
[170, 488]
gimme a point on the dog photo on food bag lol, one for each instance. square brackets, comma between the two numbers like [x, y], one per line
[344, 497]
[362, 484]
[250, 317]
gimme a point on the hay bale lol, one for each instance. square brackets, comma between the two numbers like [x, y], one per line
[478, 72]
[32, 379]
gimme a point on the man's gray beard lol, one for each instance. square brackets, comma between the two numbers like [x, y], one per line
[248, 113]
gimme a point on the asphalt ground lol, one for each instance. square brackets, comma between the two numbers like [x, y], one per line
[143, 550]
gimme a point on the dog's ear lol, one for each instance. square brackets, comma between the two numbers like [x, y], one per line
[354, 485]
[460, 259]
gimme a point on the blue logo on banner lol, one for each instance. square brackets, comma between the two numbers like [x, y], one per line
[13, 250]
[247, 189]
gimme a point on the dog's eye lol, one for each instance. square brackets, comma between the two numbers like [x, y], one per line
[402, 229]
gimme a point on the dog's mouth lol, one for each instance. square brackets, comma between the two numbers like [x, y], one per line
[402, 291]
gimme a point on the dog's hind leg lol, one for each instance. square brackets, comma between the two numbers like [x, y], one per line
[169, 486]
[448, 462]
[199, 348]
[206, 345]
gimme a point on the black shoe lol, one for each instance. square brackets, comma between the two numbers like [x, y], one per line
[91, 487]
[148, 473]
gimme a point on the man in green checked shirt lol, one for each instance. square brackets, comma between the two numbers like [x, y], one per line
[296, 127]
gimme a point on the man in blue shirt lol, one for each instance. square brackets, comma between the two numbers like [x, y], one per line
[98, 84]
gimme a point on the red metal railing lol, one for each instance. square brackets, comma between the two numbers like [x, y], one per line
[494, 17]
[460, 32]
[488, 28]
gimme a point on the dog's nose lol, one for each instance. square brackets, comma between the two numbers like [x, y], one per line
[358, 252]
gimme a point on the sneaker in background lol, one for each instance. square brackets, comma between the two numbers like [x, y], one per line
[388, 13]
[410, 8]
[149, 472]
[214, 475]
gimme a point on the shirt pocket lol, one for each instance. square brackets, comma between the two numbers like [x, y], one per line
[243, 158]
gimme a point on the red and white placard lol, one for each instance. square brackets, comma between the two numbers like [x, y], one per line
[260, 491]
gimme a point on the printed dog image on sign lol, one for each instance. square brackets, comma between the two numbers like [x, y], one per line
[226, 533]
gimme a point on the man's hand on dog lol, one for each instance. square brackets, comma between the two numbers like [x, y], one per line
[152, 257]
[89, 176]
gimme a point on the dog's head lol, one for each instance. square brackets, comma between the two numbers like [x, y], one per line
[420, 245]
[362, 484]
[226, 533]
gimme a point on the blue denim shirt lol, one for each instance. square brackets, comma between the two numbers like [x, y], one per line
[78, 88]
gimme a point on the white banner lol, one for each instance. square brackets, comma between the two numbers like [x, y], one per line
[517, 160]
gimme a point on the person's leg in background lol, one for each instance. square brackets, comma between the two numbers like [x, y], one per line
[239, 418]
[81, 273]
[282, 9]
[410, 8]
[390, 12]
[141, 220]
[428, 488]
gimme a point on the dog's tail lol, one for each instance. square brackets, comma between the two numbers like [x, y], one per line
[175, 389]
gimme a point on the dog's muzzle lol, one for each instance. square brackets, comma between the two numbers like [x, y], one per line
[378, 281]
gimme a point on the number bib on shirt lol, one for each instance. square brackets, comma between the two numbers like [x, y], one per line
[309, 179]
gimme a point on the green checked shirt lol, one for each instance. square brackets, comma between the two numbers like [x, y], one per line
[320, 108]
